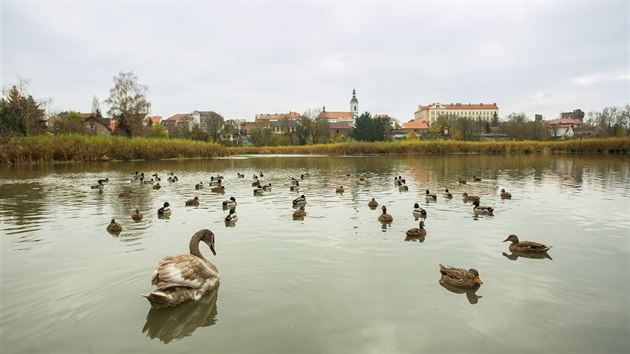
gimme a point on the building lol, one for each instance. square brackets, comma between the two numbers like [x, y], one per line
[98, 126]
[563, 128]
[279, 123]
[207, 121]
[150, 120]
[476, 111]
[343, 116]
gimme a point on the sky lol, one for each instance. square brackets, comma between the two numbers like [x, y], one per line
[241, 58]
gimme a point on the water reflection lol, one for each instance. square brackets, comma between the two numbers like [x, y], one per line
[182, 320]
[471, 295]
[415, 238]
[514, 255]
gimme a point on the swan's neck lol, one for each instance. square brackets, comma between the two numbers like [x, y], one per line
[194, 246]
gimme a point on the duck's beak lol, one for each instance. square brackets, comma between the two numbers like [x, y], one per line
[505, 240]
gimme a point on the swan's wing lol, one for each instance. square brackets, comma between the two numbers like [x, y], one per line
[183, 270]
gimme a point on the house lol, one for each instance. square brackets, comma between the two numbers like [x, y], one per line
[563, 127]
[480, 111]
[147, 121]
[420, 128]
[98, 126]
[338, 116]
[339, 128]
[279, 123]
[179, 120]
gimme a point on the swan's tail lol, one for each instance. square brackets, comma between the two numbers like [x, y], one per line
[159, 299]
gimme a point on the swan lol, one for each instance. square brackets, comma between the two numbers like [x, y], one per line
[184, 277]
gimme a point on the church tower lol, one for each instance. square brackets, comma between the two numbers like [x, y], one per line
[354, 105]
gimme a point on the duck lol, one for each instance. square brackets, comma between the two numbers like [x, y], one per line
[151, 181]
[403, 187]
[103, 180]
[294, 181]
[339, 189]
[476, 179]
[469, 198]
[256, 183]
[137, 215]
[172, 179]
[482, 209]
[192, 202]
[157, 186]
[199, 185]
[165, 209]
[418, 212]
[419, 231]
[373, 203]
[125, 194]
[430, 197]
[517, 246]
[98, 186]
[461, 181]
[231, 217]
[267, 187]
[459, 277]
[114, 227]
[505, 195]
[214, 181]
[447, 194]
[230, 203]
[384, 217]
[259, 190]
[240, 175]
[218, 189]
[300, 213]
[299, 201]
[185, 277]
[295, 188]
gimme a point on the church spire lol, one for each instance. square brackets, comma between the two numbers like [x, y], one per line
[354, 105]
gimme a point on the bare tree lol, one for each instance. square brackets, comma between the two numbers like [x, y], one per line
[128, 98]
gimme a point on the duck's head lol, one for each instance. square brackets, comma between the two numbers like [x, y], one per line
[511, 238]
[465, 194]
[302, 196]
[446, 190]
[421, 226]
[502, 190]
[476, 202]
[475, 274]
[113, 221]
[233, 199]
[427, 192]
[416, 205]
[166, 204]
[137, 210]
[384, 209]
[196, 198]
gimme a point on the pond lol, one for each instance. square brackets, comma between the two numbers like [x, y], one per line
[336, 281]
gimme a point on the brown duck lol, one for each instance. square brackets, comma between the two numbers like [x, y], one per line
[459, 277]
[517, 246]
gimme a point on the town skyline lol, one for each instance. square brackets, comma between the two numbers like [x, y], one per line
[272, 57]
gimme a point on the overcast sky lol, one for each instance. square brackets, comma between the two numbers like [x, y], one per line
[243, 58]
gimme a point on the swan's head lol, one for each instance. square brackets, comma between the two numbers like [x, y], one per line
[208, 238]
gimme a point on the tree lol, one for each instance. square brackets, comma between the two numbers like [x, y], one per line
[128, 98]
[122, 127]
[96, 105]
[70, 122]
[495, 119]
[20, 114]
[158, 132]
[260, 135]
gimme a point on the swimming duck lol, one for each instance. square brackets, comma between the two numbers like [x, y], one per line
[164, 210]
[403, 187]
[476, 179]
[125, 194]
[231, 217]
[218, 189]
[267, 187]
[469, 198]
[419, 231]
[151, 181]
[137, 215]
[103, 180]
[477, 209]
[230, 203]
[300, 213]
[114, 227]
[505, 195]
[517, 246]
[184, 277]
[199, 185]
[447, 194]
[384, 217]
[240, 175]
[172, 179]
[373, 203]
[157, 186]
[295, 188]
[192, 202]
[418, 212]
[301, 200]
[98, 186]
[214, 181]
[256, 184]
[461, 181]
[258, 191]
[459, 278]
[339, 189]
[430, 197]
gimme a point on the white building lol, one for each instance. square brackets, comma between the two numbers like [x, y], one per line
[476, 111]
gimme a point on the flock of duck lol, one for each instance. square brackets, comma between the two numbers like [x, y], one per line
[188, 277]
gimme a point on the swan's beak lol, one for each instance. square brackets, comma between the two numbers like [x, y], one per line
[212, 249]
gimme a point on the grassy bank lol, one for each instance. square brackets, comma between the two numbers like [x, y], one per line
[585, 146]
[83, 148]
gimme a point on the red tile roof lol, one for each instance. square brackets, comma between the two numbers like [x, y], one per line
[462, 106]
[337, 115]
[412, 124]
[154, 119]
[179, 116]
[565, 121]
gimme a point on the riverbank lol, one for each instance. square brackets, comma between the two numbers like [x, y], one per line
[81, 148]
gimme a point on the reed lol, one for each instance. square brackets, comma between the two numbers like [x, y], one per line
[82, 148]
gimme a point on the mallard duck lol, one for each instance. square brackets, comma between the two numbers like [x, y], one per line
[481, 209]
[199, 185]
[267, 187]
[469, 198]
[459, 278]
[165, 209]
[218, 189]
[98, 186]
[240, 175]
[447, 194]
[301, 200]
[339, 189]
[517, 246]
[114, 227]
[258, 191]
[103, 180]
[418, 212]
[403, 187]
[384, 217]
[214, 181]
[230, 203]
[419, 231]
[300, 213]
[137, 215]
[184, 277]
[231, 217]
[256, 184]
[172, 179]
[430, 197]
[476, 179]
[294, 182]
[151, 181]
[192, 202]
[461, 181]
[295, 188]
[505, 195]
[157, 186]
[373, 203]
